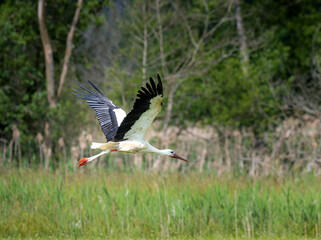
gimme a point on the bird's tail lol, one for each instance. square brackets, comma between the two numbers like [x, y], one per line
[95, 145]
[103, 146]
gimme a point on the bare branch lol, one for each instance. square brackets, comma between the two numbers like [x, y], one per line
[242, 37]
[69, 47]
[214, 28]
[188, 27]
[207, 19]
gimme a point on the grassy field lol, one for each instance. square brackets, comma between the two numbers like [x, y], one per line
[96, 205]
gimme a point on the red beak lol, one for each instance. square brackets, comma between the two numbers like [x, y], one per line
[179, 157]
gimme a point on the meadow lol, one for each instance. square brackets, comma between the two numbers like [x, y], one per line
[100, 204]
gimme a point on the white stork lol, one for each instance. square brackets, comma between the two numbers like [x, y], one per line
[126, 133]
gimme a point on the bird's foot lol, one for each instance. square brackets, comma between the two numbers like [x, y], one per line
[82, 162]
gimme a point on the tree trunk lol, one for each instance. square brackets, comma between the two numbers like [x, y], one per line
[50, 69]
[242, 37]
[50, 75]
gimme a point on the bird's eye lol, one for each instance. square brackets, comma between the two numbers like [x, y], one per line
[172, 152]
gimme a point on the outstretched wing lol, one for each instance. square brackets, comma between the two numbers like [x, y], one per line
[146, 107]
[108, 114]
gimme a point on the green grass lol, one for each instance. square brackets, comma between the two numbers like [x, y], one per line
[94, 205]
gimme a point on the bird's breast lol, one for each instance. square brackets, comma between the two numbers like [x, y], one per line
[131, 146]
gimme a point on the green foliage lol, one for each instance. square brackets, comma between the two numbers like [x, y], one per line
[96, 205]
[23, 94]
[286, 38]
[22, 87]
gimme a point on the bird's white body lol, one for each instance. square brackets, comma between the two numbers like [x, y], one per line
[126, 146]
[129, 146]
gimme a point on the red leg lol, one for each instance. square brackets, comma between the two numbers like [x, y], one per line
[82, 162]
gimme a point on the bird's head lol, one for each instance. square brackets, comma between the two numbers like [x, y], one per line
[170, 153]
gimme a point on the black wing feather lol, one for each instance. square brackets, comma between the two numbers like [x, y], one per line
[150, 88]
[160, 84]
[146, 92]
[103, 108]
[96, 88]
[141, 105]
[153, 83]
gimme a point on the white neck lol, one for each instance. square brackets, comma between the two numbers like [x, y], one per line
[152, 149]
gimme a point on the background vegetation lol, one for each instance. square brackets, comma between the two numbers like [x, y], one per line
[242, 103]
[237, 65]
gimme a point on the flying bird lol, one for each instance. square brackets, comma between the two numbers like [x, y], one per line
[126, 133]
